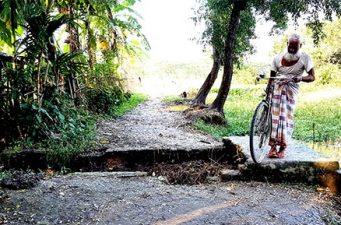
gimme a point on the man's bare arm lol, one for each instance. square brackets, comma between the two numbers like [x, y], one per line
[309, 78]
[272, 74]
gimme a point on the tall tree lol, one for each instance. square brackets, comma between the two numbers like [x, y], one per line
[215, 14]
[218, 103]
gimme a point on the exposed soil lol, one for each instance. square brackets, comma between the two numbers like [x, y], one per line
[107, 198]
[123, 198]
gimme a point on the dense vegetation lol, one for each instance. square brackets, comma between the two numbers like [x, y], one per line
[59, 64]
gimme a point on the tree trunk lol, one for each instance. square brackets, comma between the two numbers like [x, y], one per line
[90, 39]
[200, 98]
[73, 38]
[218, 103]
[74, 44]
[112, 30]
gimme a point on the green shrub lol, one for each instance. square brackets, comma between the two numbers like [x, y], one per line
[56, 126]
[71, 142]
[246, 74]
[214, 90]
[103, 100]
[328, 73]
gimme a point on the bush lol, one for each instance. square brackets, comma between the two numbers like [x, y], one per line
[245, 74]
[329, 74]
[103, 100]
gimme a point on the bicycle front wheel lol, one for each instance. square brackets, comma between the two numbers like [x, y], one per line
[260, 132]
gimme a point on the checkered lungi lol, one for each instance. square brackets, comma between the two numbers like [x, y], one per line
[283, 106]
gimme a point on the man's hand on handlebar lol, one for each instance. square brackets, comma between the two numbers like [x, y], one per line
[284, 81]
[297, 79]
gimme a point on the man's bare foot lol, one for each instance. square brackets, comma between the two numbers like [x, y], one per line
[272, 153]
[281, 152]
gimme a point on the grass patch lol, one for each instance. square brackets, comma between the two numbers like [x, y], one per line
[178, 108]
[239, 109]
[316, 120]
[61, 151]
[62, 147]
[216, 131]
[172, 98]
[128, 105]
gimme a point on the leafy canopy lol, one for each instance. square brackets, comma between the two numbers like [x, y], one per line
[215, 15]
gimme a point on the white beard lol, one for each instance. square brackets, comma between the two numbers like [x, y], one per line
[291, 57]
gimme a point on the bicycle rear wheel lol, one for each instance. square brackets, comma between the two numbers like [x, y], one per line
[260, 132]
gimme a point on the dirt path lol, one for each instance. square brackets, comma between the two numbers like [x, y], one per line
[108, 198]
[102, 198]
[151, 126]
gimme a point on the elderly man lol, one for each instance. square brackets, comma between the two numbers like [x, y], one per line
[292, 65]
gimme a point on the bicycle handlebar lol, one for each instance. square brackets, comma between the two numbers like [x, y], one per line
[259, 77]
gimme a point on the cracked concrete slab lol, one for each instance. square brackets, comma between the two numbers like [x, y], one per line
[152, 126]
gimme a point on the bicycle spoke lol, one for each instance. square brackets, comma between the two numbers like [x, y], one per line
[259, 133]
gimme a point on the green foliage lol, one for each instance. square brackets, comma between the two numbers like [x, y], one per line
[217, 131]
[71, 131]
[72, 141]
[33, 113]
[5, 174]
[245, 74]
[281, 12]
[105, 99]
[215, 15]
[328, 73]
[326, 55]
[60, 129]
[55, 118]
[42, 83]
[128, 105]
[318, 121]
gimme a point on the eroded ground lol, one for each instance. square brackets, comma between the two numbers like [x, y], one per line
[97, 198]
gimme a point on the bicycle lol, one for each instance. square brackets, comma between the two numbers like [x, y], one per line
[261, 123]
